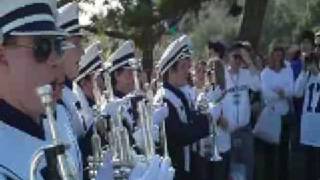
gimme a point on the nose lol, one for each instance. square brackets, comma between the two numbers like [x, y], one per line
[54, 59]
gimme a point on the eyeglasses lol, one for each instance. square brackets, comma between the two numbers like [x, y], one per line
[43, 46]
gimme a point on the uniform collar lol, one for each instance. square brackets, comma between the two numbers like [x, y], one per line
[119, 94]
[90, 101]
[16, 119]
[178, 93]
[68, 83]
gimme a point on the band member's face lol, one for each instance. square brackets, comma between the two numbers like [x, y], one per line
[182, 72]
[21, 73]
[72, 57]
[125, 80]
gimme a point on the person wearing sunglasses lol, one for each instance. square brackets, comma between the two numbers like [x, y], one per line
[31, 50]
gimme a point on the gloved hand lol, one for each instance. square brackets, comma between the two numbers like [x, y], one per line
[160, 114]
[106, 171]
[166, 170]
[139, 138]
[214, 95]
[156, 169]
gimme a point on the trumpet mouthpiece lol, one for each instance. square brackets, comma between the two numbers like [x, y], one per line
[45, 93]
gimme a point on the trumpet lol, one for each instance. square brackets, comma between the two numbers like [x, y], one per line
[204, 108]
[203, 105]
[57, 163]
[145, 114]
[119, 135]
[95, 161]
[163, 135]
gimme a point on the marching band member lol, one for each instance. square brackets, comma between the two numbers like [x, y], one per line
[236, 106]
[84, 92]
[121, 73]
[206, 85]
[308, 84]
[183, 126]
[90, 62]
[30, 56]
[68, 20]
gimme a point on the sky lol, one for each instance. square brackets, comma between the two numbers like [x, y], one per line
[89, 10]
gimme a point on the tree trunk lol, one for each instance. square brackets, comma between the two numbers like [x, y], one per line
[147, 62]
[252, 21]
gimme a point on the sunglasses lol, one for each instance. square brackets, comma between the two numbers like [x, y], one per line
[43, 47]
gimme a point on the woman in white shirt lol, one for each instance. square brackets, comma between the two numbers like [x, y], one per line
[277, 89]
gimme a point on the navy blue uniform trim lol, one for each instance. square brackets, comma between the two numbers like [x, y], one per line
[89, 65]
[11, 172]
[16, 119]
[123, 58]
[68, 83]
[183, 49]
[70, 23]
[29, 10]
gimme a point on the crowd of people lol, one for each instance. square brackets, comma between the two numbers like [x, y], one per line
[66, 113]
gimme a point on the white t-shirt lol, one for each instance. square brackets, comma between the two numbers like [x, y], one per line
[271, 82]
[236, 106]
[309, 86]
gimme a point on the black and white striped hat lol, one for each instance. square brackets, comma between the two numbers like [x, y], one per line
[68, 19]
[122, 56]
[28, 18]
[91, 60]
[178, 50]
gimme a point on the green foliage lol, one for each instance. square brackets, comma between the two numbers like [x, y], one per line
[286, 19]
[212, 23]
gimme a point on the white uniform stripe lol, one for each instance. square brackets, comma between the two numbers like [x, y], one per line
[29, 19]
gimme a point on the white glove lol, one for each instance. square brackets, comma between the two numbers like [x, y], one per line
[166, 170]
[215, 111]
[160, 114]
[139, 138]
[214, 95]
[143, 172]
[106, 171]
[157, 169]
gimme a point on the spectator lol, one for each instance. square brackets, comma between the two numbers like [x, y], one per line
[277, 89]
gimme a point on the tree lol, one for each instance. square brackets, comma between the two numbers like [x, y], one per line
[252, 22]
[143, 21]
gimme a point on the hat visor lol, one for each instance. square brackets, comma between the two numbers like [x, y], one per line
[126, 65]
[75, 34]
[92, 69]
[39, 33]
